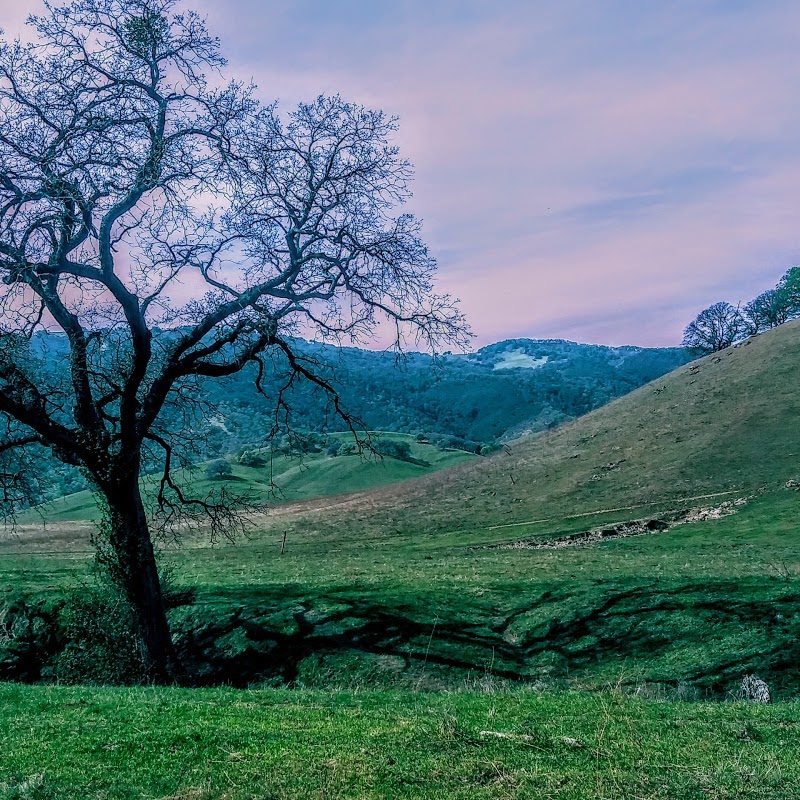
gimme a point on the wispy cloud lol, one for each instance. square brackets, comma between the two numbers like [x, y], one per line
[599, 171]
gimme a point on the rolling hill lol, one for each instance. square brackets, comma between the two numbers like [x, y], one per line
[282, 478]
[725, 424]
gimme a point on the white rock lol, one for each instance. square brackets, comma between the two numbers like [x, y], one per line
[754, 689]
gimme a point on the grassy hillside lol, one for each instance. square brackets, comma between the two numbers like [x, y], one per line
[726, 423]
[407, 585]
[284, 478]
[458, 580]
[71, 744]
[462, 400]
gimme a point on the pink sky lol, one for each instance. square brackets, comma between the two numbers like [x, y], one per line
[598, 172]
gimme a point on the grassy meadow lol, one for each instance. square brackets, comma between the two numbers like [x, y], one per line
[416, 585]
[693, 608]
[281, 478]
[63, 743]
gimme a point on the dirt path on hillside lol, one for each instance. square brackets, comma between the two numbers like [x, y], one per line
[56, 538]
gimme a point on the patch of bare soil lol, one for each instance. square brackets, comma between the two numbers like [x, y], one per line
[41, 537]
[623, 530]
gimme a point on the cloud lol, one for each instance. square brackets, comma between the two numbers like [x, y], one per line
[13, 14]
[599, 173]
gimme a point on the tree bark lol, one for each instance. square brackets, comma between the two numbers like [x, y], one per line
[134, 568]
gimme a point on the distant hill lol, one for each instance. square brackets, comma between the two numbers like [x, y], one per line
[456, 401]
[483, 397]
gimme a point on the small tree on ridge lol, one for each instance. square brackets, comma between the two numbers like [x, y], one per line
[715, 328]
[768, 310]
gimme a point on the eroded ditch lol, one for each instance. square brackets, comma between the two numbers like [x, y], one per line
[640, 527]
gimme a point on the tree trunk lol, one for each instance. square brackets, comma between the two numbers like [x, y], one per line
[134, 568]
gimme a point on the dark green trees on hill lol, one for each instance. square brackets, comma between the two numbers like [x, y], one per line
[462, 401]
[789, 286]
[768, 310]
[470, 402]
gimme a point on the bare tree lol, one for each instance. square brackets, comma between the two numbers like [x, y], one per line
[173, 232]
[715, 328]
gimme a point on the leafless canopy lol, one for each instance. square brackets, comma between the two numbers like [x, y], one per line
[715, 328]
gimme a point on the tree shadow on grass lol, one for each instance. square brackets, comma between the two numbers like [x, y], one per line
[727, 629]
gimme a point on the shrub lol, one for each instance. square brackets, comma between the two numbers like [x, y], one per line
[219, 470]
[100, 643]
[457, 443]
[89, 636]
[401, 450]
[335, 447]
[299, 443]
[251, 458]
[28, 637]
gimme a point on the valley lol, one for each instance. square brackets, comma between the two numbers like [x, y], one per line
[424, 582]
[292, 507]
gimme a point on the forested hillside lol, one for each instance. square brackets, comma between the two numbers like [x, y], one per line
[465, 401]
[491, 395]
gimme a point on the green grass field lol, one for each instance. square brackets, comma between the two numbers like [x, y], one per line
[372, 586]
[285, 478]
[699, 605]
[76, 744]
